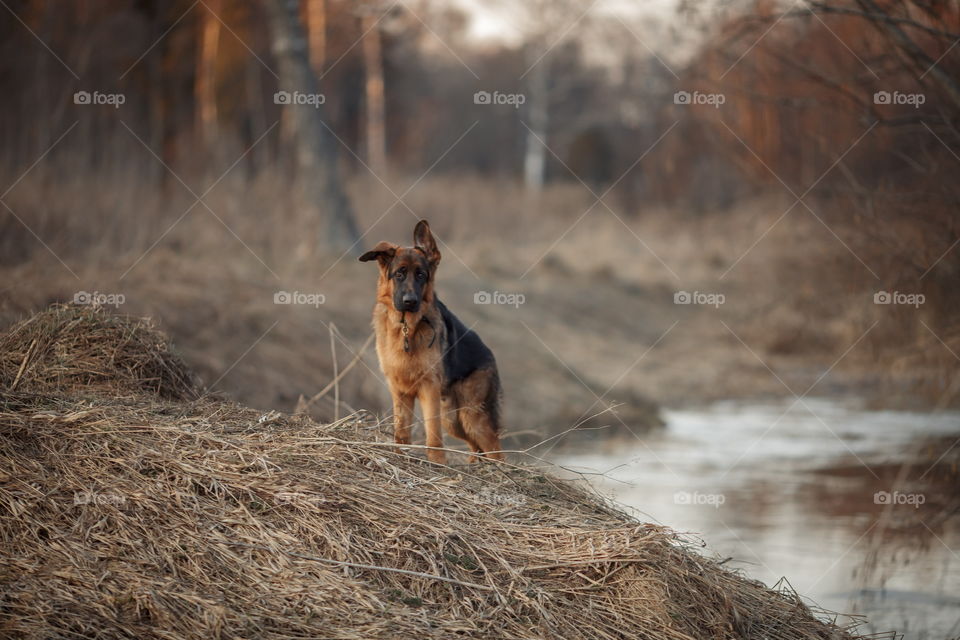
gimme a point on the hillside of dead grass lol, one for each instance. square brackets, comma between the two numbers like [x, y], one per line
[133, 504]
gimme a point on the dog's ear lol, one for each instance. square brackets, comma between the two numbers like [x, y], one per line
[382, 253]
[423, 240]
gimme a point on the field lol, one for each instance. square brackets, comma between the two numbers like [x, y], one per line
[596, 341]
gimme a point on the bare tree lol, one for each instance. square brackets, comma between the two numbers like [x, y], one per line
[315, 146]
[205, 86]
[535, 150]
[546, 24]
[375, 113]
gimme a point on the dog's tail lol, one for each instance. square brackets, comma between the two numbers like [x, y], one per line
[492, 401]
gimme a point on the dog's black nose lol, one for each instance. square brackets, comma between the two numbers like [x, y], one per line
[410, 302]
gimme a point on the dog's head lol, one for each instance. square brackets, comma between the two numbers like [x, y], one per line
[406, 273]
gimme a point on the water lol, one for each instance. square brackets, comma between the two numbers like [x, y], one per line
[792, 490]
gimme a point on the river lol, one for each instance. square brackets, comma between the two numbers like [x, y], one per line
[812, 491]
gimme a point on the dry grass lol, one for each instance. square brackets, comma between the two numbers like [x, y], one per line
[70, 347]
[132, 508]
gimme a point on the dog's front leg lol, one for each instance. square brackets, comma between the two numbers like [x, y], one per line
[402, 417]
[431, 407]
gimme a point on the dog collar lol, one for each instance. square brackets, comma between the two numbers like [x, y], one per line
[405, 329]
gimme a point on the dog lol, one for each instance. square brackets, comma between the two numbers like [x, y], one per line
[427, 354]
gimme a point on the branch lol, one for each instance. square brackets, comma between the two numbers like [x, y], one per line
[302, 408]
[944, 79]
[876, 16]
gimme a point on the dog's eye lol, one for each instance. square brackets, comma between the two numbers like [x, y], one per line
[399, 275]
[421, 276]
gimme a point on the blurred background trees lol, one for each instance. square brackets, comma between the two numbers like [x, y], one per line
[399, 79]
[800, 138]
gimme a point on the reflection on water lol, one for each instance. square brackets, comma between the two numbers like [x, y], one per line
[806, 491]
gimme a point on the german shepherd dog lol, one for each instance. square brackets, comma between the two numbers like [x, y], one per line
[426, 353]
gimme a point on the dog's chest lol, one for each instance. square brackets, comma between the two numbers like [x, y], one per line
[408, 370]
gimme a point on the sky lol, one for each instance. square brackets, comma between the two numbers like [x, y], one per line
[491, 21]
[653, 24]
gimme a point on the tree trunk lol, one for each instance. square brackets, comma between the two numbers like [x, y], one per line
[255, 110]
[315, 147]
[317, 33]
[206, 90]
[535, 154]
[375, 118]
